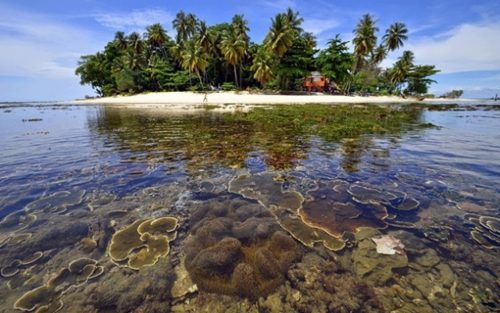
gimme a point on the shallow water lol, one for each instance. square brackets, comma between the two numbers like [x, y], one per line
[271, 217]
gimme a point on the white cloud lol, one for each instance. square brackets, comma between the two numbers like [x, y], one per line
[280, 4]
[135, 20]
[35, 45]
[468, 47]
[318, 26]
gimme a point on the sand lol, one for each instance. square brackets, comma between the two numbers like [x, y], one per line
[231, 101]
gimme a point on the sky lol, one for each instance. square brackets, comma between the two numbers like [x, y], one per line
[42, 41]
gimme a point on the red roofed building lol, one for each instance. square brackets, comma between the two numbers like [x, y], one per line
[316, 82]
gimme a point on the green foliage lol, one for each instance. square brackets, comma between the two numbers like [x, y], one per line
[295, 64]
[365, 82]
[418, 79]
[335, 62]
[216, 54]
[334, 122]
[228, 86]
[454, 94]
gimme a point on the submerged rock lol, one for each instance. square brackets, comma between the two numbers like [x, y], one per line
[47, 298]
[374, 267]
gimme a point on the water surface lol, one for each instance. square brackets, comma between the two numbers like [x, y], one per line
[107, 209]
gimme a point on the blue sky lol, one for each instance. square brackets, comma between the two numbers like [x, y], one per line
[41, 41]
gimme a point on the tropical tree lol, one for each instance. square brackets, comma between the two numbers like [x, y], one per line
[295, 64]
[240, 27]
[191, 24]
[365, 39]
[280, 36]
[379, 54]
[395, 36]
[310, 40]
[121, 40]
[156, 37]
[335, 62]
[205, 37]
[92, 70]
[262, 66]
[418, 79]
[135, 43]
[293, 20]
[180, 24]
[233, 47]
[399, 73]
[214, 53]
[194, 59]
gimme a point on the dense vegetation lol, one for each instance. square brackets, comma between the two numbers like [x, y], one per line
[222, 55]
[454, 94]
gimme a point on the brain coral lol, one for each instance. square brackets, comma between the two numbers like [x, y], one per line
[236, 248]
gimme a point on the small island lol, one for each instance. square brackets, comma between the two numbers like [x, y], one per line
[287, 67]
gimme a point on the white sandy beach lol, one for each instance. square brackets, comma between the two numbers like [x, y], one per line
[230, 101]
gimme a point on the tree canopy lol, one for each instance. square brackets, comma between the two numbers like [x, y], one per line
[201, 55]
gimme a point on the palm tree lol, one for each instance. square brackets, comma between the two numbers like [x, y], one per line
[310, 40]
[121, 40]
[365, 39]
[280, 36]
[191, 23]
[240, 27]
[233, 47]
[205, 37]
[157, 37]
[194, 59]
[402, 67]
[293, 20]
[395, 36]
[379, 55]
[408, 58]
[135, 43]
[262, 67]
[180, 24]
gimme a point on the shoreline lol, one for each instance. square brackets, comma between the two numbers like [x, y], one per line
[244, 97]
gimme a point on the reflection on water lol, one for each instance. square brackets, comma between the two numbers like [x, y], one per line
[286, 209]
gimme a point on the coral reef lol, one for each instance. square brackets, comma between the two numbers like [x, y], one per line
[17, 221]
[485, 230]
[235, 248]
[331, 209]
[46, 298]
[123, 290]
[143, 242]
[372, 266]
[284, 206]
[324, 286]
[58, 202]
[17, 266]
[367, 195]
[327, 214]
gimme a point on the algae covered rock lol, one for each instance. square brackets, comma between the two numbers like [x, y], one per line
[321, 285]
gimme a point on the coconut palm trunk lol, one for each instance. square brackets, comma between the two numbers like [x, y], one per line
[235, 75]
[241, 75]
